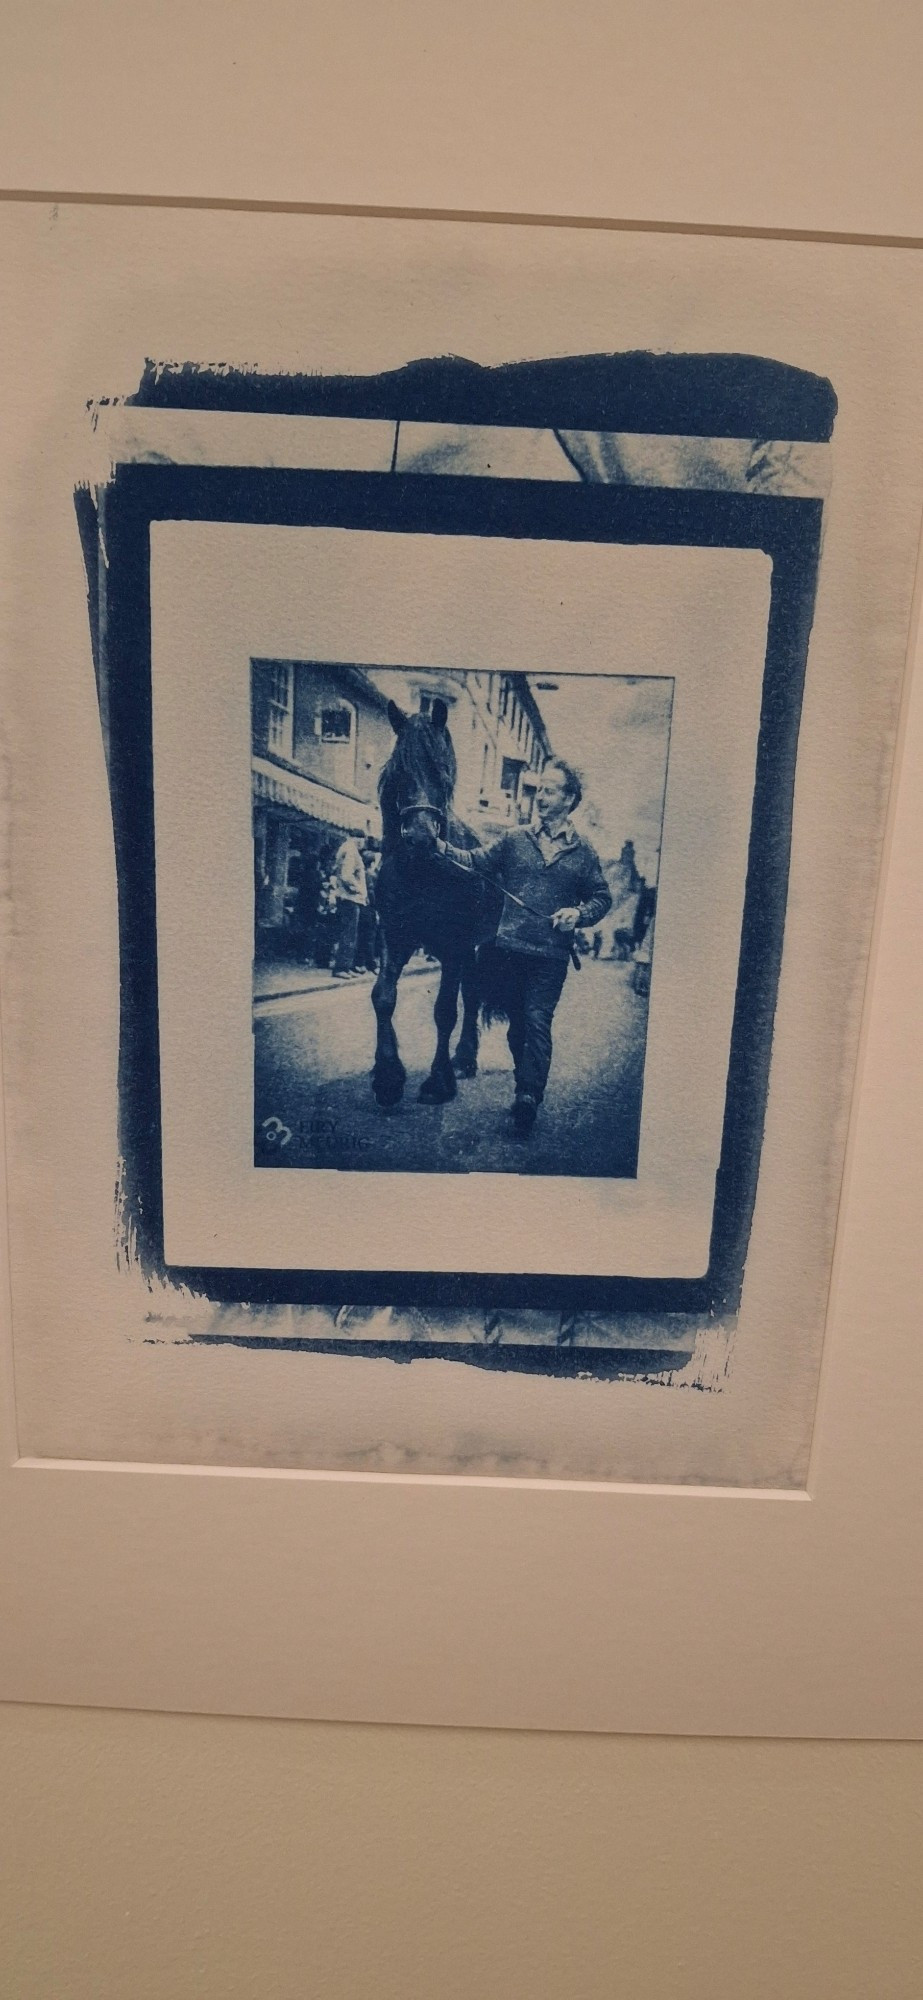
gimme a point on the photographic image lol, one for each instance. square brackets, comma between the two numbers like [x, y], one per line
[455, 898]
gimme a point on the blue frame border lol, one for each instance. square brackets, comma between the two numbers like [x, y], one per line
[723, 395]
[788, 530]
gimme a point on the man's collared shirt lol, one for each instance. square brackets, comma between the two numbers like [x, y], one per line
[550, 844]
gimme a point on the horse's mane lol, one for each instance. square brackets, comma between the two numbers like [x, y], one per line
[421, 766]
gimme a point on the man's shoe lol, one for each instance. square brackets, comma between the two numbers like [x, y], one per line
[525, 1110]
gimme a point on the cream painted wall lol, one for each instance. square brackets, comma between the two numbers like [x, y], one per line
[160, 1857]
[163, 1857]
[800, 115]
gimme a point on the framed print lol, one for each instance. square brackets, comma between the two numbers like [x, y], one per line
[636, 1184]
[453, 686]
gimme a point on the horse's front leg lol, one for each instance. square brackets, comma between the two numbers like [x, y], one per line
[388, 1075]
[440, 1085]
[465, 1059]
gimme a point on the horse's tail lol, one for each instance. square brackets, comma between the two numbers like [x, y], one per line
[495, 988]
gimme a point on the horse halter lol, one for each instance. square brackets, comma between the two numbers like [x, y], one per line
[420, 803]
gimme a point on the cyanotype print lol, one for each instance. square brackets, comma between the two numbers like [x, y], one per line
[463, 808]
[461, 844]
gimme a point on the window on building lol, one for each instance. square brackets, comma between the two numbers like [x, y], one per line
[281, 710]
[335, 722]
[526, 804]
[428, 697]
[509, 780]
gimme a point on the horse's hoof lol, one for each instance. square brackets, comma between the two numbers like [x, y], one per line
[436, 1090]
[388, 1087]
[465, 1066]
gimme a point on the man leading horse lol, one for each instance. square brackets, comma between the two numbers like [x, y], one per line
[552, 884]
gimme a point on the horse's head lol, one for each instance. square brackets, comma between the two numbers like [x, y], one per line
[418, 780]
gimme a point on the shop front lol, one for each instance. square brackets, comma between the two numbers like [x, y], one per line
[298, 826]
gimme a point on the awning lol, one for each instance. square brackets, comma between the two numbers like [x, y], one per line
[319, 802]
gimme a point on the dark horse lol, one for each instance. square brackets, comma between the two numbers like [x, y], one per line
[424, 903]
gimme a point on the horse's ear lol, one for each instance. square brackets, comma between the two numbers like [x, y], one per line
[396, 717]
[439, 714]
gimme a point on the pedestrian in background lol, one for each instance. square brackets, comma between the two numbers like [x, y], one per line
[326, 910]
[367, 944]
[351, 893]
[305, 910]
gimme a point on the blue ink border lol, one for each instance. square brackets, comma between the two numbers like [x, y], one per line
[786, 529]
[685, 395]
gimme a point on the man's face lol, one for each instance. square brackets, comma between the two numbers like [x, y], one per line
[552, 798]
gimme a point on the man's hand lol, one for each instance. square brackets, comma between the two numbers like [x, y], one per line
[565, 920]
[420, 830]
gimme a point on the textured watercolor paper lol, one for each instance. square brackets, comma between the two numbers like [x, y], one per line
[272, 464]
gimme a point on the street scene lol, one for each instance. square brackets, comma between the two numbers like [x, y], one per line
[357, 773]
[315, 1108]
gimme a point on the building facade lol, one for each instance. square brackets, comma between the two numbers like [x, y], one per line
[320, 737]
[496, 726]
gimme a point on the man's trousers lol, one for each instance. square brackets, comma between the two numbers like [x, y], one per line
[347, 930]
[534, 987]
